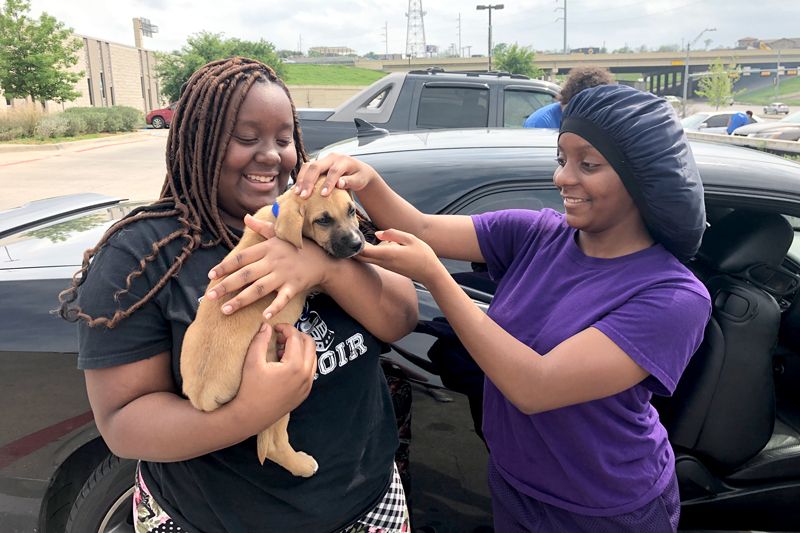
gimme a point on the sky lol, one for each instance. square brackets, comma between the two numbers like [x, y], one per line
[380, 25]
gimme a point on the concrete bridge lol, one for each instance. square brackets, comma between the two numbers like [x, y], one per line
[662, 71]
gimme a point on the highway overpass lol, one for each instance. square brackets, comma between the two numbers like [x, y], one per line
[663, 71]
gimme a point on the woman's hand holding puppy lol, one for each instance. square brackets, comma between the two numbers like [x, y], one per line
[288, 380]
[271, 265]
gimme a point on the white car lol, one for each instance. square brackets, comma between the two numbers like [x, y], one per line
[776, 108]
[711, 121]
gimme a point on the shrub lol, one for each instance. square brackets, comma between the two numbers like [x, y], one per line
[11, 134]
[52, 126]
[131, 118]
[21, 120]
[108, 119]
[76, 125]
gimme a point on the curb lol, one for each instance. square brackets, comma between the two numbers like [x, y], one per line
[11, 148]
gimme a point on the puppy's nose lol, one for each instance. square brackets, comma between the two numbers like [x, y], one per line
[348, 245]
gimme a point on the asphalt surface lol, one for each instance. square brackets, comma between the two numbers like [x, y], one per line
[127, 165]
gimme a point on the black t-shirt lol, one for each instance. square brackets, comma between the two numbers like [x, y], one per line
[346, 423]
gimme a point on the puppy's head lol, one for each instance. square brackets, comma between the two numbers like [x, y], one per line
[329, 221]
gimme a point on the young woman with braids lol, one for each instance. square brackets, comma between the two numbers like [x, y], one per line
[233, 146]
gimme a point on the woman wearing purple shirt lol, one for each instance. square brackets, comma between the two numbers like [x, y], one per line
[594, 313]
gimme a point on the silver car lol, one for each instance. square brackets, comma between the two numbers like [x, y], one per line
[776, 108]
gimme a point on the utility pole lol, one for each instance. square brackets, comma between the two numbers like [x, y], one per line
[490, 7]
[459, 35]
[686, 69]
[564, 18]
[386, 37]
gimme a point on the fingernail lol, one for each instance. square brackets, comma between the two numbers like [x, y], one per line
[227, 309]
[379, 234]
[267, 316]
[324, 191]
[212, 274]
[303, 194]
[263, 328]
[212, 295]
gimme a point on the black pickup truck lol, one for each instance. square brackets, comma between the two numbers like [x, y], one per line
[429, 99]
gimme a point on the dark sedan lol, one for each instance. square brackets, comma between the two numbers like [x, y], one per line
[734, 421]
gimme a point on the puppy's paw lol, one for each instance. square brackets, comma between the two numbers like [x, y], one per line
[306, 466]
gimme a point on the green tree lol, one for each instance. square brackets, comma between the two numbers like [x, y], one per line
[35, 55]
[717, 85]
[175, 69]
[516, 60]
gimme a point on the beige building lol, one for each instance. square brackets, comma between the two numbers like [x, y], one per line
[113, 74]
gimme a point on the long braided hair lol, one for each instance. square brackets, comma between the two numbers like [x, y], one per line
[198, 140]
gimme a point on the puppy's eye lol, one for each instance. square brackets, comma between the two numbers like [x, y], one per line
[324, 220]
[351, 212]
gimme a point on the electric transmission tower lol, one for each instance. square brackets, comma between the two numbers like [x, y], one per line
[415, 30]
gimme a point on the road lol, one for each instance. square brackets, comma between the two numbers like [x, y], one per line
[131, 166]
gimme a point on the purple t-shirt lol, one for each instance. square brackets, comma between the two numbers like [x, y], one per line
[607, 456]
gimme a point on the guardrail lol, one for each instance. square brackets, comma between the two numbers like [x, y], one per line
[767, 145]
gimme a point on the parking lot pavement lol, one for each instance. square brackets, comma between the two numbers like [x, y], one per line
[449, 492]
[127, 166]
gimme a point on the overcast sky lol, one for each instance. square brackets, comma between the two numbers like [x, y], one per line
[362, 24]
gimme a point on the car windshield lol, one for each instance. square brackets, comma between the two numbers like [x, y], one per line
[794, 118]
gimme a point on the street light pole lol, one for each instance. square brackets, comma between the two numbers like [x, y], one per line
[490, 7]
[686, 69]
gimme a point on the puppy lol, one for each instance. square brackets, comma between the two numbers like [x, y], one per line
[215, 345]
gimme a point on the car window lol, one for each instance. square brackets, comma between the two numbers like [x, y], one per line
[377, 101]
[794, 249]
[474, 275]
[453, 107]
[718, 120]
[693, 121]
[514, 199]
[518, 105]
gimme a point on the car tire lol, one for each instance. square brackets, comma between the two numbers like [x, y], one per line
[158, 123]
[106, 499]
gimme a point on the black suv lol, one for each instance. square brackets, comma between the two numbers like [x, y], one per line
[430, 99]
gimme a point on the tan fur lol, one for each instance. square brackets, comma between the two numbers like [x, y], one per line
[215, 345]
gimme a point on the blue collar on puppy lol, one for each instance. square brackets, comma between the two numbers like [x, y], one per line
[275, 208]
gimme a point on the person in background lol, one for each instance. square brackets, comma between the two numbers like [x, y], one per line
[737, 120]
[578, 79]
[750, 118]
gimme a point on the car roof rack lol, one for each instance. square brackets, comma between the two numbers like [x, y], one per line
[494, 73]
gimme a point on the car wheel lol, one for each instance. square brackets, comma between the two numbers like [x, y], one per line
[105, 502]
[158, 123]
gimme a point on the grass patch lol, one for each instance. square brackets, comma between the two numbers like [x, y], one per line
[53, 140]
[301, 74]
[765, 95]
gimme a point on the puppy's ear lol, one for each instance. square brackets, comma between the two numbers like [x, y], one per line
[289, 224]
